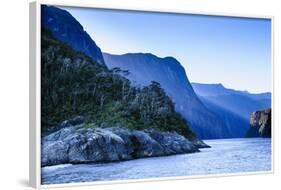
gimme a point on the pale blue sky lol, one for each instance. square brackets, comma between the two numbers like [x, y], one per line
[233, 51]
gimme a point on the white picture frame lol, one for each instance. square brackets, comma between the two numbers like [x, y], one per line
[35, 94]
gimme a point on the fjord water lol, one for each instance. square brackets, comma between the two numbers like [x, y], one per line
[225, 157]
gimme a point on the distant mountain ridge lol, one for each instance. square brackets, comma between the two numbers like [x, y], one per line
[146, 67]
[67, 29]
[219, 89]
[242, 103]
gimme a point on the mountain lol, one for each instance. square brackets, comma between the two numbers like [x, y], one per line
[236, 124]
[260, 122]
[145, 67]
[241, 103]
[219, 89]
[72, 84]
[90, 114]
[68, 30]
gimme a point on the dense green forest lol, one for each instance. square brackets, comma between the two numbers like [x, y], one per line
[73, 84]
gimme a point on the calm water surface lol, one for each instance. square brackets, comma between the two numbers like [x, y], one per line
[225, 156]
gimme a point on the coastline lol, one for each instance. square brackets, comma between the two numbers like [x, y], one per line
[78, 145]
[211, 161]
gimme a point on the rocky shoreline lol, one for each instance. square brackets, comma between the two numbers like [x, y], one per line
[79, 144]
[260, 124]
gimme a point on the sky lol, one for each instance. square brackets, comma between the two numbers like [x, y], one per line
[235, 52]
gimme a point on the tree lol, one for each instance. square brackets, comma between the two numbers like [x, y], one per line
[73, 84]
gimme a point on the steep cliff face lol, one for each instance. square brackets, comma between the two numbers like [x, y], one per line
[67, 29]
[145, 67]
[260, 122]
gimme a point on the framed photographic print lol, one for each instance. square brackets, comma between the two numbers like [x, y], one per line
[121, 95]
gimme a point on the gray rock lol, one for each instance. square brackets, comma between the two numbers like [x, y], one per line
[112, 145]
[54, 152]
[125, 134]
[77, 148]
[199, 143]
[144, 145]
[173, 143]
[78, 144]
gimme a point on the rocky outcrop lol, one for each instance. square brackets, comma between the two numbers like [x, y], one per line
[260, 122]
[81, 144]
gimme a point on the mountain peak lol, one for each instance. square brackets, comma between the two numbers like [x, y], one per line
[217, 89]
[142, 54]
[220, 85]
[147, 58]
[209, 84]
[67, 29]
